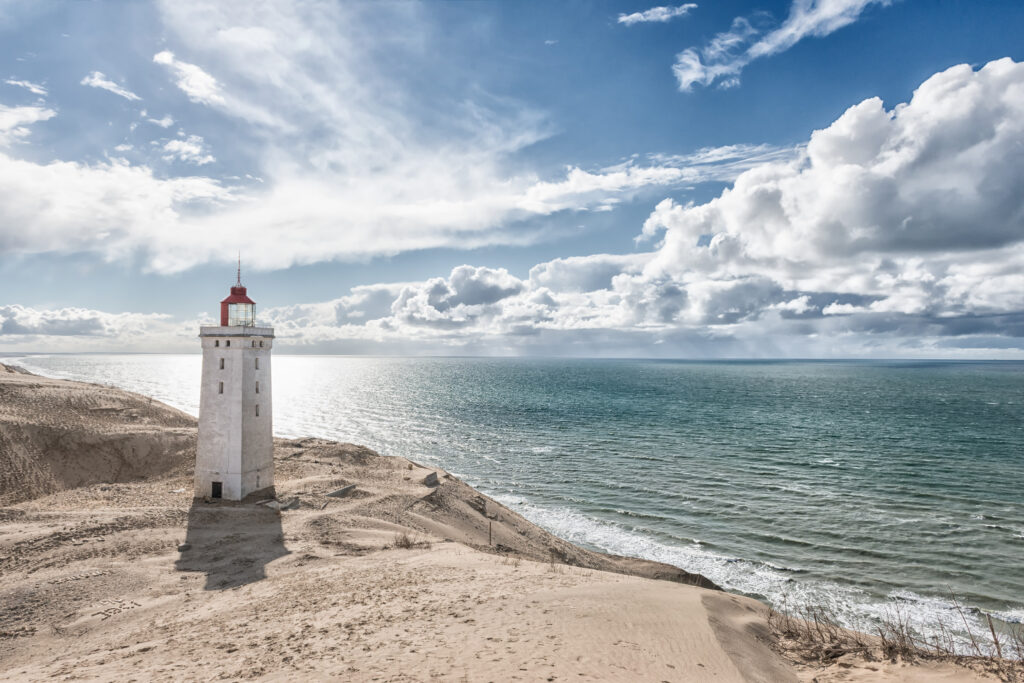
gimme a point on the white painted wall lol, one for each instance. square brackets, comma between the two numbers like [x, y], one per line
[236, 447]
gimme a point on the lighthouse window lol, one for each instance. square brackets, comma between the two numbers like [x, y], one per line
[261, 345]
[216, 342]
[241, 314]
[220, 387]
[257, 411]
[257, 363]
[257, 387]
[227, 343]
[254, 343]
[221, 363]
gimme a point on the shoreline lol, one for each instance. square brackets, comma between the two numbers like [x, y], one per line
[759, 565]
[439, 520]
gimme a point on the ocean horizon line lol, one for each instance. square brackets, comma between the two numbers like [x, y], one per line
[731, 359]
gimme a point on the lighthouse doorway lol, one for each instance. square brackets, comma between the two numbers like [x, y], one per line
[218, 490]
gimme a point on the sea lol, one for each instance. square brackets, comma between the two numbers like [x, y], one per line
[875, 489]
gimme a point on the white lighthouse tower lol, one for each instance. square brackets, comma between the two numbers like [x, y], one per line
[235, 453]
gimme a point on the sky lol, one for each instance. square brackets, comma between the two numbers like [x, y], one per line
[710, 179]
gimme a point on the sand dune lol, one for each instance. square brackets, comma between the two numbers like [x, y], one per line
[56, 435]
[110, 570]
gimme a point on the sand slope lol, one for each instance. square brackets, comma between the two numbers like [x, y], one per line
[96, 588]
[56, 435]
[136, 581]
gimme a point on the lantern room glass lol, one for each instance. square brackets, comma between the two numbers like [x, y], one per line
[241, 314]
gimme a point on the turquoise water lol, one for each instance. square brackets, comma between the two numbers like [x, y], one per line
[860, 485]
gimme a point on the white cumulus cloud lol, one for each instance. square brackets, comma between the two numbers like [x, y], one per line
[14, 122]
[463, 298]
[585, 273]
[914, 210]
[191, 149]
[81, 329]
[892, 231]
[100, 207]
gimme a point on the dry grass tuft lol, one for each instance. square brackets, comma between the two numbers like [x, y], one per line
[814, 636]
[407, 541]
[514, 560]
[554, 561]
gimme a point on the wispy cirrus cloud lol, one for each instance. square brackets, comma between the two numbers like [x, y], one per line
[180, 222]
[353, 166]
[350, 170]
[726, 162]
[165, 121]
[192, 80]
[97, 79]
[201, 87]
[657, 14]
[749, 38]
[33, 88]
[415, 203]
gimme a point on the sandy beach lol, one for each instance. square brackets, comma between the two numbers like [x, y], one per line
[110, 570]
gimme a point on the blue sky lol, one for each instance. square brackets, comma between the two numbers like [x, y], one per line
[810, 178]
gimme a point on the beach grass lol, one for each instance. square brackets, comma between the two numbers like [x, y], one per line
[813, 635]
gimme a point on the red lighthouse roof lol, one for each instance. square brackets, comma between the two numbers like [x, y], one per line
[238, 296]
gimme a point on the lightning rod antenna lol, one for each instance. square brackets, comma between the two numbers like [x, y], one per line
[239, 268]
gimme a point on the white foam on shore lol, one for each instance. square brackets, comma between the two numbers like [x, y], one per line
[25, 362]
[1010, 616]
[853, 607]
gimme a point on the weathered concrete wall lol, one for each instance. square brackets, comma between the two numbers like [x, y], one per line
[235, 447]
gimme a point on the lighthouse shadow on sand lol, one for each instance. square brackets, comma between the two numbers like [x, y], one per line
[231, 543]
